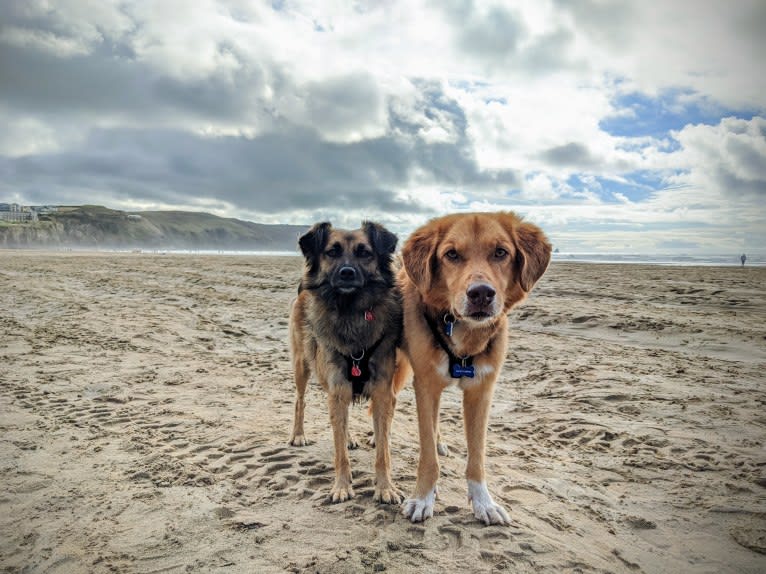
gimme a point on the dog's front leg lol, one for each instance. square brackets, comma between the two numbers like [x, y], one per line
[301, 369]
[476, 404]
[427, 396]
[339, 398]
[383, 405]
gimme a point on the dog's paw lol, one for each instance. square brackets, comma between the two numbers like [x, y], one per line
[484, 508]
[418, 509]
[299, 440]
[341, 493]
[388, 495]
[442, 448]
[371, 441]
[351, 443]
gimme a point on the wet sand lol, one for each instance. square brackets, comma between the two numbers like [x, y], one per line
[146, 404]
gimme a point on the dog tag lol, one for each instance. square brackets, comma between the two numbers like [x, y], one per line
[356, 371]
[369, 315]
[461, 371]
[448, 329]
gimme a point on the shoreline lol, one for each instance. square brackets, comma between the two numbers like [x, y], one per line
[591, 259]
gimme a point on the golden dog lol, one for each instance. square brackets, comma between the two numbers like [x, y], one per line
[462, 274]
[344, 327]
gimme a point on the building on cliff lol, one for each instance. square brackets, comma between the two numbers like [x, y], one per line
[15, 213]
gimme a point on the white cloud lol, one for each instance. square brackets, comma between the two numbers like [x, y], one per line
[711, 47]
[62, 46]
[729, 157]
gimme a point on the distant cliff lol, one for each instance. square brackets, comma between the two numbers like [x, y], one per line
[93, 226]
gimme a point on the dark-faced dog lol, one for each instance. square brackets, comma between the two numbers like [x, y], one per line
[344, 327]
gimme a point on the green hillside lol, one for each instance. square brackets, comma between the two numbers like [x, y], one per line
[95, 226]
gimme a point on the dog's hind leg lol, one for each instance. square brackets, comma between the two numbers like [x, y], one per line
[338, 400]
[402, 374]
[441, 447]
[383, 414]
[301, 380]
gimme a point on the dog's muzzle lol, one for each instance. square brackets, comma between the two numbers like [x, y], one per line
[347, 278]
[480, 301]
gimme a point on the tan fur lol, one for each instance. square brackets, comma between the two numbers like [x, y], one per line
[323, 333]
[493, 249]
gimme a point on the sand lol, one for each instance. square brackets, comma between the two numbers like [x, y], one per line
[146, 404]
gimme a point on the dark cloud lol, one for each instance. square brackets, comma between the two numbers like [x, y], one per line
[288, 166]
[573, 154]
[109, 81]
[732, 154]
[343, 104]
[451, 163]
[491, 37]
[751, 158]
[272, 173]
[734, 185]
[609, 22]
[498, 39]
[34, 81]
[550, 52]
[494, 35]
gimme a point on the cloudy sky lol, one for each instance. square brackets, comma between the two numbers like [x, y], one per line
[628, 126]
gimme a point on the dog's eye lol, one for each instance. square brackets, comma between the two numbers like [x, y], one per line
[363, 253]
[501, 253]
[334, 252]
[452, 255]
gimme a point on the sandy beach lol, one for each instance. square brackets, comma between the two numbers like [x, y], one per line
[146, 403]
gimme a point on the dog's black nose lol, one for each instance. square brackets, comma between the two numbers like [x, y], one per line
[480, 294]
[347, 273]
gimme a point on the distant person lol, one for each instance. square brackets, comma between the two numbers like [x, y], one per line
[743, 259]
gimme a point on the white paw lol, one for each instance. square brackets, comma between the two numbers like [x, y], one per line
[418, 509]
[442, 448]
[484, 508]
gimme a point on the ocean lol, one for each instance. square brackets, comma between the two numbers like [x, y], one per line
[725, 260]
[721, 260]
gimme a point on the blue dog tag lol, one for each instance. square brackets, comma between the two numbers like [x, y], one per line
[458, 371]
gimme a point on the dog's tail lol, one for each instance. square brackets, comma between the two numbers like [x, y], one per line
[402, 374]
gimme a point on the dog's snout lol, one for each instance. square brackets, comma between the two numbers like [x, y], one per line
[347, 273]
[480, 294]
[347, 278]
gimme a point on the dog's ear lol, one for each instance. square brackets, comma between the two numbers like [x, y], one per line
[418, 256]
[313, 242]
[382, 240]
[383, 244]
[533, 253]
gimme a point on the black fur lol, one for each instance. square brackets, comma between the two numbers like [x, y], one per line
[384, 244]
[313, 242]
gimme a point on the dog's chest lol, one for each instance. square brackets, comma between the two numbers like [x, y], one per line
[483, 370]
[349, 333]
